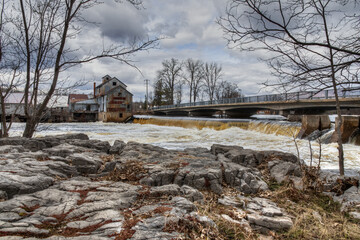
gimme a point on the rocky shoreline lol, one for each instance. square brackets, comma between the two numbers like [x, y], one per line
[70, 187]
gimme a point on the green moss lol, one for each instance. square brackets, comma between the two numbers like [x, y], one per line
[230, 231]
[326, 203]
[274, 185]
[295, 234]
[23, 214]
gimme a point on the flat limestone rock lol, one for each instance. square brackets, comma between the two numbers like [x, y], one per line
[71, 185]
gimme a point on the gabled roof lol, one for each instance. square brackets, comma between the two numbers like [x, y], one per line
[56, 101]
[77, 97]
[115, 88]
[15, 98]
[111, 79]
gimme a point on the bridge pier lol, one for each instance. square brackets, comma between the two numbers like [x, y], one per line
[349, 129]
[311, 123]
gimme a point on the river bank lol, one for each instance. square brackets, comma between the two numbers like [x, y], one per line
[70, 187]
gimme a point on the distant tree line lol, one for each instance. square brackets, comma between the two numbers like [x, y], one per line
[200, 79]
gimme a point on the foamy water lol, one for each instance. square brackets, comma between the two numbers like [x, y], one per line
[180, 138]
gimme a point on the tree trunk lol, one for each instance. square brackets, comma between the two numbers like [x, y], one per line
[334, 85]
[30, 127]
[4, 130]
[338, 133]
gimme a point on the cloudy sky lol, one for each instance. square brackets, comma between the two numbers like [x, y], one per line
[188, 29]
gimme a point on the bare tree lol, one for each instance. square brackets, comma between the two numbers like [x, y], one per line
[179, 92]
[42, 30]
[158, 92]
[193, 76]
[313, 43]
[10, 69]
[227, 90]
[170, 76]
[212, 74]
[9, 80]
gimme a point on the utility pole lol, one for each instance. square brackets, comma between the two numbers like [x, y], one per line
[147, 94]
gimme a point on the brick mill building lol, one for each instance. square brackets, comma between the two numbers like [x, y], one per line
[114, 101]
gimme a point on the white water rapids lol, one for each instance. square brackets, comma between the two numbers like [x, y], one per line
[181, 138]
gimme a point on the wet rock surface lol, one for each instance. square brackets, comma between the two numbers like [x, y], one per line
[69, 187]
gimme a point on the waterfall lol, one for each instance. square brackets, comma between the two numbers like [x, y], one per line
[268, 127]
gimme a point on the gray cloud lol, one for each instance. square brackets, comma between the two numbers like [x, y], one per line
[191, 32]
[119, 22]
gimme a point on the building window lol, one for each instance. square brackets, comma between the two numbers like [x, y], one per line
[128, 107]
[114, 83]
[120, 115]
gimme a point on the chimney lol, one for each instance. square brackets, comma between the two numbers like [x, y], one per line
[94, 89]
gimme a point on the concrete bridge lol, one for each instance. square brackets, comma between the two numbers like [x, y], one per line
[298, 103]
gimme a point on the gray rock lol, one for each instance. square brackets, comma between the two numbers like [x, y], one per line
[208, 222]
[191, 194]
[272, 223]
[86, 163]
[281, 156]
[183, 203]
[222, 149]
[167, 190]
[36, 144]
[81, 202]
[231, 201]
[117, 147]
[101, 146]
[244, 179]
[355, 215]
[283, 171]
[200, 178]
[3, 195]
[264, 215]
[158, 176]
[64, 150]
[109, 166]
[349, 199]
[11, 149]
[14, 184]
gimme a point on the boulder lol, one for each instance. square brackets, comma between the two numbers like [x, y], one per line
[36, 144]
[14, 184]
[284, 171]
[265, 215]
[86, 163]
[101, 146]
[117, 147]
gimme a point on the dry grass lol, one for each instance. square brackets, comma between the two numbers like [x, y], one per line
[225, 229]
[315, 215]
[130, 171]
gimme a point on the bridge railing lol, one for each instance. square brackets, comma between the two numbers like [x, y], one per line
[295, 96]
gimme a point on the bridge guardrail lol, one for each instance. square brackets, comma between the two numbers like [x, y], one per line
[325, 94]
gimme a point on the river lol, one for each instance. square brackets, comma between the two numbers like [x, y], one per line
[262, 136]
